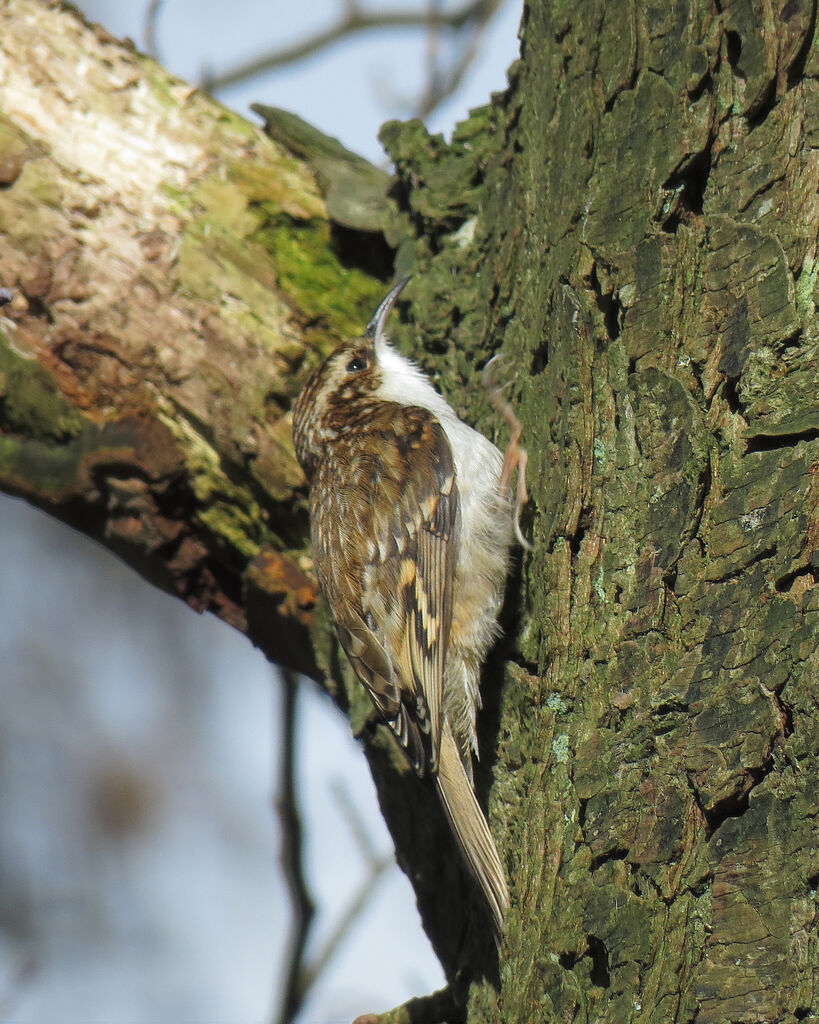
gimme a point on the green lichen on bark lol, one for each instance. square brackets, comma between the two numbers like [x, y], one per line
[638, 247]
[176, 304]
[32, 403]
[681, 677]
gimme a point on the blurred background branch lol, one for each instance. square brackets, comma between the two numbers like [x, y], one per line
[465, 27]
[376, 864]
[300, 973]
[151, 19]
[302, 907]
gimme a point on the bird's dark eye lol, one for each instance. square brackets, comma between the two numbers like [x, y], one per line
[356, 363]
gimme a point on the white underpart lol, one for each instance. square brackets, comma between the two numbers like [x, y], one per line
[486, 533]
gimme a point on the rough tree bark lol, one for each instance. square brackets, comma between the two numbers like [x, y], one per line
[634, 224]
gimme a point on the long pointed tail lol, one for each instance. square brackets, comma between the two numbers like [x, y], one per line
[471, 829]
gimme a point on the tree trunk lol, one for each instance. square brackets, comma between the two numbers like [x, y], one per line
[633, 224]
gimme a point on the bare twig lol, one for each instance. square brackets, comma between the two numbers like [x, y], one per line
[355, 822]
[433, 48]
[351, 21]
[378, 865]
[300, 976]
[442, 86]
[353, 911]
[302, 905]
[151, 18]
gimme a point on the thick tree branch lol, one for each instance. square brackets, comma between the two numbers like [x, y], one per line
[158, 249]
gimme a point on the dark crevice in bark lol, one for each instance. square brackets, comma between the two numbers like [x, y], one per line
[706, 85]
[731, 396]
[772, 442]
[561, 33]
[540, 358]
[618, 853]
[626, 87]
[364, 250]
[696, 370]
[701, 887]
[786, 710]
[793, 340]
[599, 974]
[760, 110]
[529, 667]
[212, 587]
[79, 355]
[675, 706]
[742, 207]
[732, 806]
[608, 304]
[703, 490]
[733, 50]
[691, 181]
[797, 69]
[735, 804]
[596, 951]
[670, 576]
[735, 574]
[576, 540]
[106, 476]
[784, 583]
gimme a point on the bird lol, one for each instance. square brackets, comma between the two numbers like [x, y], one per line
[411, 527]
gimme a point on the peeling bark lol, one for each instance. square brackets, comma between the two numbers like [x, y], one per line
[633, 223]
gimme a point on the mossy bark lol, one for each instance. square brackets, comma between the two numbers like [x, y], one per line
[633, 224]
[172, 267]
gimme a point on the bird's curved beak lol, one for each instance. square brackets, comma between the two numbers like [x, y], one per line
[375, 327]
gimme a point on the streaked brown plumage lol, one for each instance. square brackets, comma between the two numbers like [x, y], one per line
[411, 527]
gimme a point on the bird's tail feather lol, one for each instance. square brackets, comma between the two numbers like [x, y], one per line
[470, 828]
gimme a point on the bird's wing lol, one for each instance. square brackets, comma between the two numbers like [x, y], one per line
[403, 516]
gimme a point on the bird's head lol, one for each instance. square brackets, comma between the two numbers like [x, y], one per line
[351, 377]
